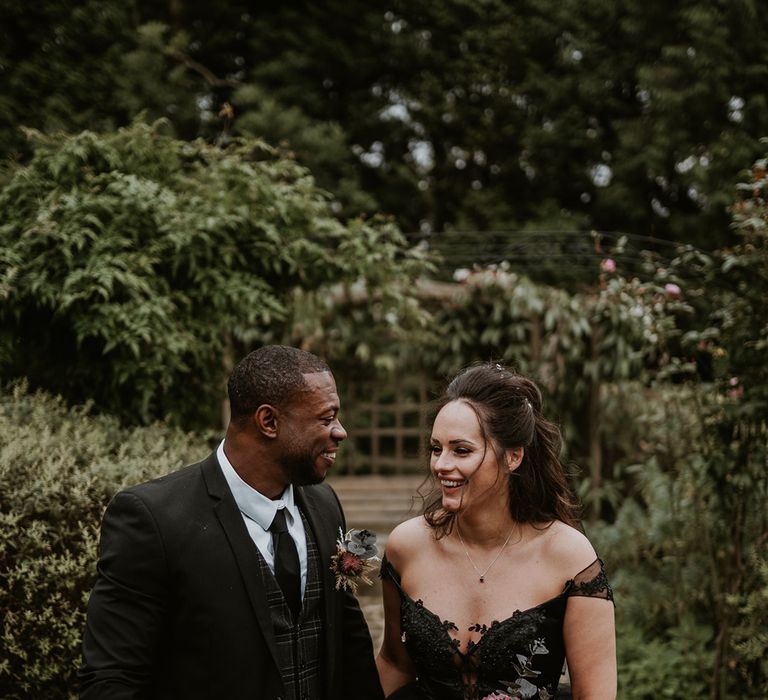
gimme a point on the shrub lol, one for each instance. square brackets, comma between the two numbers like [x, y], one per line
[688, 550]
[136, 268]
[59, 467]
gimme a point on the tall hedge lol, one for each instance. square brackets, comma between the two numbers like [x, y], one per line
[59, 467]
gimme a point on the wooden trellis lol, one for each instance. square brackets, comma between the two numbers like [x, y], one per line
[387, 427]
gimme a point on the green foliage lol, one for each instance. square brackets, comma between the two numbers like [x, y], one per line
[133, 264]
[59, 467]
[661, 383]
[751, 638]
[573, 344]
[690, 532]
[319, 145]
[667, 665]
[547, 116]
[370, 328]
[58, 66]
[135, 267]
[688, 543]
[534, 104]
[153, 80]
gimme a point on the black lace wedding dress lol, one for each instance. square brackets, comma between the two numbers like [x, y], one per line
[520, 657]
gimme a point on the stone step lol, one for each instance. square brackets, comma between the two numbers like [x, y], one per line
[376, 496]
[377, 493]
[379, 496]
[393, 514]
[377, 484]
[389, 519]
[381, 526]
[378, 503]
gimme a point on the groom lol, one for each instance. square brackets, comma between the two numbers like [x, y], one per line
[214, 581]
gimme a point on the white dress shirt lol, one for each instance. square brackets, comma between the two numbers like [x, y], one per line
[258, 512]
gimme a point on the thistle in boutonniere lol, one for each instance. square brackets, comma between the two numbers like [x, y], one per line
[355, 553]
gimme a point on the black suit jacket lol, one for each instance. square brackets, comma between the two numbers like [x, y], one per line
[179, 609]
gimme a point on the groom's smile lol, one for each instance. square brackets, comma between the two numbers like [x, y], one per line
[312, 430]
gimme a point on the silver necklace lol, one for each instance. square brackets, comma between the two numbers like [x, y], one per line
[482, 574]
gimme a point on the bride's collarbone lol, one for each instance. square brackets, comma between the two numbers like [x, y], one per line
[459, 597]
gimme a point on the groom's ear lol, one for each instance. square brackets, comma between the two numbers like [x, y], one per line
[265, 419]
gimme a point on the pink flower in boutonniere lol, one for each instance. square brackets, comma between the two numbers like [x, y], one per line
[355, 553]
[350, 564]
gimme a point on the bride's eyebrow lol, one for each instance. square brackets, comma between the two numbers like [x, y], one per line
[455, 441]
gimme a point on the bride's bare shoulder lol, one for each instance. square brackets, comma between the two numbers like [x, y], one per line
[568, 548]
[407, 540]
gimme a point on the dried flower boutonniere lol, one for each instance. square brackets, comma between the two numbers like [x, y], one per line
[355, 553]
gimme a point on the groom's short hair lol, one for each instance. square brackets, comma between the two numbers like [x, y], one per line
[273, 375]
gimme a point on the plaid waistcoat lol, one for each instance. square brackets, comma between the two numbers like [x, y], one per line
[299, 646]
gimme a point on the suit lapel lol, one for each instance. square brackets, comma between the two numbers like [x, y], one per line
[325, 537]
[242, 545]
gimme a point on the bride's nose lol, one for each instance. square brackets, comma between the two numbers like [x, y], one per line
[441, 462]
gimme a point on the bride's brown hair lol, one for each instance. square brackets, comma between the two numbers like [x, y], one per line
[508, 408]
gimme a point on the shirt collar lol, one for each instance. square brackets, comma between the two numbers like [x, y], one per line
[251, 502]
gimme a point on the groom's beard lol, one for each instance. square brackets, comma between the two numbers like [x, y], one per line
[300, 468]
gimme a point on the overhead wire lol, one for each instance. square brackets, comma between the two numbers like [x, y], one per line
[525, 248]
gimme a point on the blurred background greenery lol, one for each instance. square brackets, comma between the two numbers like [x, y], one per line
[575, 188]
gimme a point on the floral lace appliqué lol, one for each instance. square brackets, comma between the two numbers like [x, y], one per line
[518, 658]
[521, 687]
[592, 583]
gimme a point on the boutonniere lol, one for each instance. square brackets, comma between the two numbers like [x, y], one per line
[354, 559]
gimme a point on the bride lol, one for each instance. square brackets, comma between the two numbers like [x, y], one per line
[488, 592]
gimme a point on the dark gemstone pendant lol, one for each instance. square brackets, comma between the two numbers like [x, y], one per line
[482, 580]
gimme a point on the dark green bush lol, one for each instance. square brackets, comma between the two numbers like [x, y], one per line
[687, 550]
[59, 467]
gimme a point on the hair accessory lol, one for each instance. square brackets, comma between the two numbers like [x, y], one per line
[499, 367]
[527, 403]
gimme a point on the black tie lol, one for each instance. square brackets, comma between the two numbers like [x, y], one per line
[287, 571]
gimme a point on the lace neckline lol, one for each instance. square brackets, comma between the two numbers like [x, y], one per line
[496, 625]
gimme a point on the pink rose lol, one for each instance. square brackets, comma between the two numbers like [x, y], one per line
[608, 265]
[672, 290]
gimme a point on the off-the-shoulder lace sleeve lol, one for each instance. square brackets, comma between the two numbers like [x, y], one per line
[389, 571]
[591, 583]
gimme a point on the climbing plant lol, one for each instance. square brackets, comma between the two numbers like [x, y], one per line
[134, 267]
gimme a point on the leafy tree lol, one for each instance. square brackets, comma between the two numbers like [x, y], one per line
[629, 117]
[546, 116]
[135, 267]
[58, 66]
